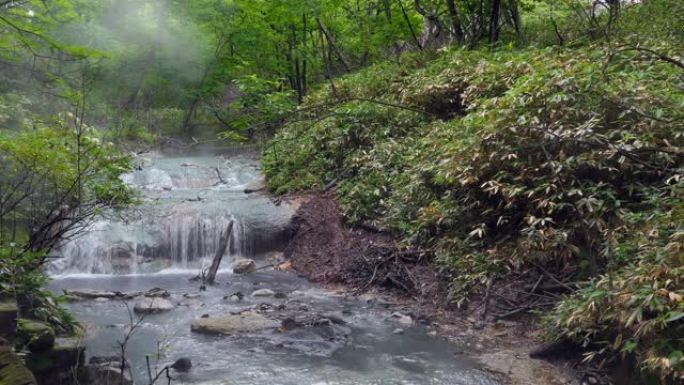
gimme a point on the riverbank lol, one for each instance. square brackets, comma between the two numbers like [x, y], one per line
[372, 265]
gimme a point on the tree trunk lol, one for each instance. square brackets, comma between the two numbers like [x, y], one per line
[456, 21]
[494, 22]
[226, 237]
[408, 22]
[332, 45]
[304, 60]
[515, 13]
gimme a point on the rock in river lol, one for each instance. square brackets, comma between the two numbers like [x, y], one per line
[244, 266]
[233, 323]
[152, 305]
[90, 294]
[263, 293]
[182, 365]
[157, 292]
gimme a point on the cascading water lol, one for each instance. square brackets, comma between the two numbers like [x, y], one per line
[187, 205]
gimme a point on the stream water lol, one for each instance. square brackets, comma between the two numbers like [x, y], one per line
[187, 202]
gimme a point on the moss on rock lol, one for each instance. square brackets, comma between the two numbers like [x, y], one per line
[8, 318]
[12, 370]
[38, 336]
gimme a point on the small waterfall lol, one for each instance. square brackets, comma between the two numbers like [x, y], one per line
[187, 205]
[192, 238]
[119, 248]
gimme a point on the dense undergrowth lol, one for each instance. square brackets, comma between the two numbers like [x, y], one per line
[566, 158]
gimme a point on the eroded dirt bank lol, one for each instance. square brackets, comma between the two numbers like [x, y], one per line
[360, 261]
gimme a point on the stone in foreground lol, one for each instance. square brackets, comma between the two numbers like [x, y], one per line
[8, 318]
[233, 324]
[152, 305]
[56, 366]
[38, 336]
[12, 370]
[244, 266]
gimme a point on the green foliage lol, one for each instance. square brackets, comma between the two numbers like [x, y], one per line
[636, 310]
[503, 160]
[21, 279]
[54, 182]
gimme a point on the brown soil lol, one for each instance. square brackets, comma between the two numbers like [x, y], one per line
[360, 260]
[328, 252]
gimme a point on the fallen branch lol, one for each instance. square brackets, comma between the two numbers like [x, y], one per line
[218, 174]
[226, 237]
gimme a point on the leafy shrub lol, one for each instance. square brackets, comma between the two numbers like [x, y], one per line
[502, 160]
[54, 183]
[637, 310]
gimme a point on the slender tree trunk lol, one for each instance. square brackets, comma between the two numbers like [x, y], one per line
[408, 22]
[494, 22]
[388, 9]
[207, 70]
[328, 66]
[456, 21]
[515, 15]
[304, 59]
[332, 45]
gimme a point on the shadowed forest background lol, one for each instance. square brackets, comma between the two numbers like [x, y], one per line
[533, 144]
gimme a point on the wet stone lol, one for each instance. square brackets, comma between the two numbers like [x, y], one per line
[157, 292]
[90, 294]
[8, 318]
[12, 370]
[38, 336]
[55, 365]
[263, 293]
[244, 266]
[152, 305]
[182, 365]
[233, 324]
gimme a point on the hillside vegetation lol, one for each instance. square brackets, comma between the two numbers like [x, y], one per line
[548, 164]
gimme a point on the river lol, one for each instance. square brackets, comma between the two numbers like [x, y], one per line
[187, 201]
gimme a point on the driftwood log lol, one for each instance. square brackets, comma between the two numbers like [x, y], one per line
[226, 237]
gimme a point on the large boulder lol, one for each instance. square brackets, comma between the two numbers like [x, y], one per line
[12, 370]
[8, 318]
[68, 352]
[233, 324]
[38, 336]
[255, 186]
[244, 266]
[182, 365]
[56, 366]
[148, 305]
